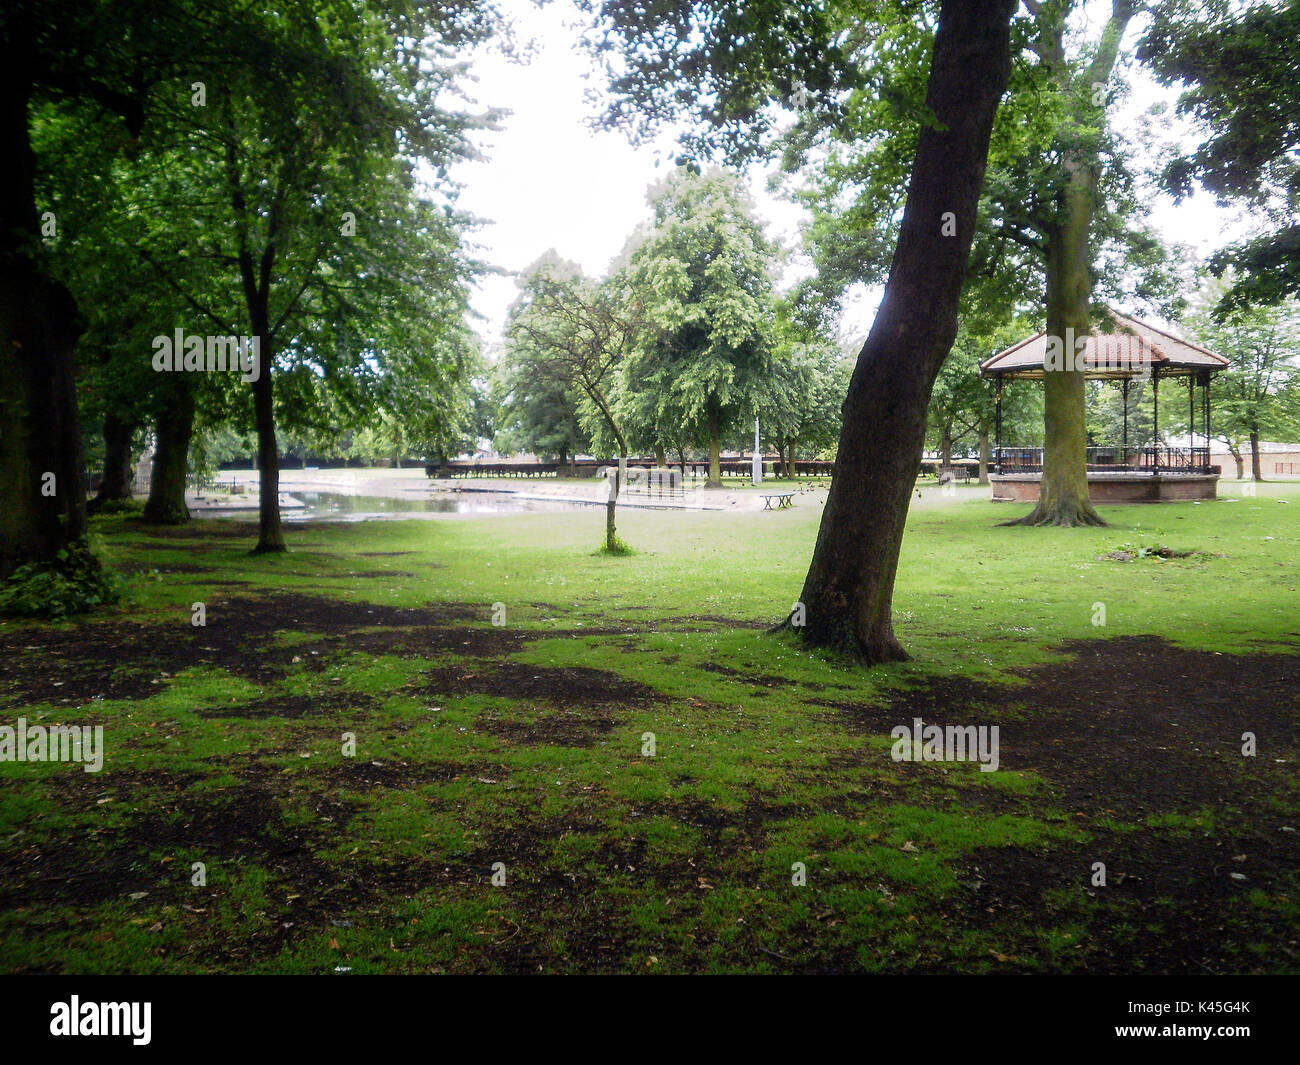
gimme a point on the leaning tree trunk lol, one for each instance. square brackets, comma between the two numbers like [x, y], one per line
[1255, 472]
[173, 428]
[848, 592]
[42, 482]
[117, 479]
[1240, 461]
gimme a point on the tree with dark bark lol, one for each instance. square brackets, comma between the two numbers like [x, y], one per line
[45, 51]
[174, 427]
[1061, 213]
[310, 118]
[117, 478]
[848, 592]
[332, 261]
[118, 61]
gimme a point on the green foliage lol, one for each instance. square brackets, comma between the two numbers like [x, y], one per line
[307, 201]
[700, 280]
[1257, 393]
[724, 65]
[1238, 65]
[850, 170]
[963, 403]
[801, 396]
[565, 339]
[73, 583]
[616, 549]
[107, 507]
[538, 412]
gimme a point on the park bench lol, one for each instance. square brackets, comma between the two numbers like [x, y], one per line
[781, 499]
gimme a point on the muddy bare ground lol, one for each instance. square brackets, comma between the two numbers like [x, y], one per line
[1123, 730]
[109, 659]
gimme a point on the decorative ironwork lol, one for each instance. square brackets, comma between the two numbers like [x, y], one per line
[1110, 458]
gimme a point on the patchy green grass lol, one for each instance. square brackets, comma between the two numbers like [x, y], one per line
[368, 724]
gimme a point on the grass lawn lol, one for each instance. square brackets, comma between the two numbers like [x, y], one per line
[525, 743]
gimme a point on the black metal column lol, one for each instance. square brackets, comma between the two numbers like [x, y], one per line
[1155, 420]
[1124, 390]
[1205, 393]
[997, 407]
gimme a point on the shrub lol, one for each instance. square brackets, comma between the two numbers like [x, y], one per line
[72, 584]
[115, 506]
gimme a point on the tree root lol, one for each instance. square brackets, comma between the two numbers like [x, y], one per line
[1061, 517]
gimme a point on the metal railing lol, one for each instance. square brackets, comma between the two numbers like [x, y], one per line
[1111, 458]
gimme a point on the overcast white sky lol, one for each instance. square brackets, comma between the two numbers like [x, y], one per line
[548, 180]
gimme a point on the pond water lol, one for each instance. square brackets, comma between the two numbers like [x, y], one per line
[339, 507]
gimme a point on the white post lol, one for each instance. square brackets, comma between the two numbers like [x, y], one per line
[758, 457]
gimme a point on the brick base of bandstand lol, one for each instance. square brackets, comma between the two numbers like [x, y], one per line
[1113, 487]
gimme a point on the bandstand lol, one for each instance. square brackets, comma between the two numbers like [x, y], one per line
[1118, 473]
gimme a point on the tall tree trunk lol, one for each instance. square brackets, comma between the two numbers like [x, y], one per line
[945, 449]
[1239, 460]
[659, 456]
[116, 482]
[986, 454]
[615, 486]
[270, 536]
[789, 459]
[173, 428]
[42, 480]
[848, 592]
[715, 455]
[1255, 472]
[1063, 497]
[255, 277]
[1063, 492]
